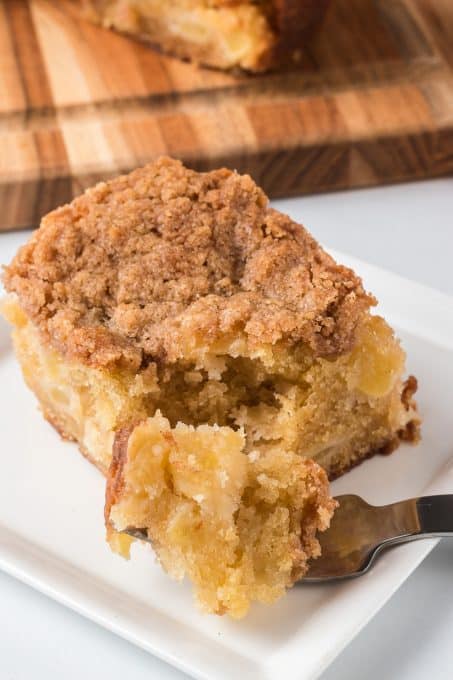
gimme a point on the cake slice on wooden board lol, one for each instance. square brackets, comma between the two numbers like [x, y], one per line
[174, 318]
[251, 35]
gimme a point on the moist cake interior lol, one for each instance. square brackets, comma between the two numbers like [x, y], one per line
[241, 525]
[334, 412]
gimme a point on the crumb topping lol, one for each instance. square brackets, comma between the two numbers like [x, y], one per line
[130, 269]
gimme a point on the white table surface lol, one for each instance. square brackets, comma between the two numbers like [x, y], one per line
[407, 229]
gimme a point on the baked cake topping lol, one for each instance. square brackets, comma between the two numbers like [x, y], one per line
[126, 270]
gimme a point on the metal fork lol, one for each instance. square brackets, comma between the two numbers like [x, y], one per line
[359, 532]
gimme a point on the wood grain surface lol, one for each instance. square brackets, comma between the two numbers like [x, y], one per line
[371, 102]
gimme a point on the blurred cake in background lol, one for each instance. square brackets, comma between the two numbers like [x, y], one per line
[251, 35]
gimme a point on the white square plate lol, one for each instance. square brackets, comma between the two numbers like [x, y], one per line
[52, 534]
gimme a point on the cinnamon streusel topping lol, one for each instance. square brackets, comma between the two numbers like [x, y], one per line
[127, 271]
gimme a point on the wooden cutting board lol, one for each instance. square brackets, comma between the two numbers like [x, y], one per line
[372, 102]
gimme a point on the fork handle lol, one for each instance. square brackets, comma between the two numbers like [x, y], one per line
[435, 515]
[435, 511]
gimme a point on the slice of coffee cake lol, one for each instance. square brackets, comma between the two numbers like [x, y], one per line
[252, 35]
[176, 314]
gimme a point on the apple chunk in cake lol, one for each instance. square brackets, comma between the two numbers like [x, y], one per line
[184, 294]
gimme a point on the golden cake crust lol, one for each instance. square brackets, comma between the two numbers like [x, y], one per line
[115, 479]
[129, 270]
